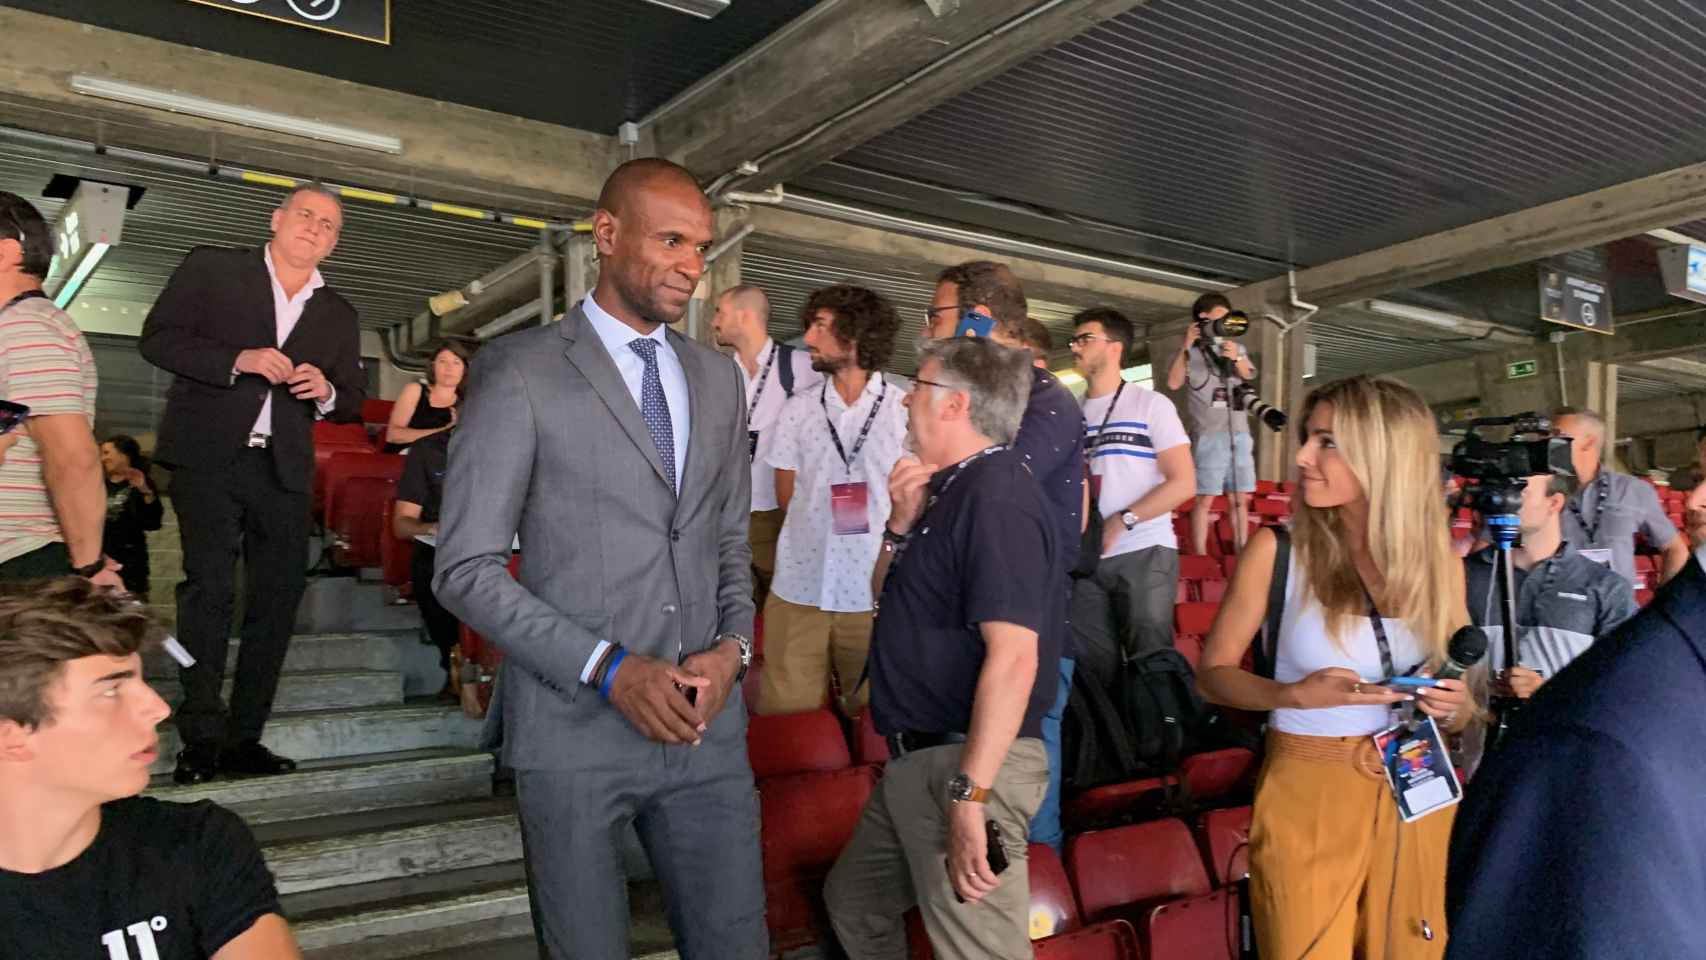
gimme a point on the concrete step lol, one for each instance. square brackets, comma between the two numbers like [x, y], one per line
[480, 914]
[347, 785]
[316, 690]
[325, 734]
[322, 651]
[387, 844]
[346, 603]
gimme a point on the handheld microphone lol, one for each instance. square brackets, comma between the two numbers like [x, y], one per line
[1468, 645]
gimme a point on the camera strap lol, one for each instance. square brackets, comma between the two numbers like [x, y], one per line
[1102, 430]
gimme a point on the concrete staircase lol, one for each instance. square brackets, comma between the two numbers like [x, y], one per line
[389, 841]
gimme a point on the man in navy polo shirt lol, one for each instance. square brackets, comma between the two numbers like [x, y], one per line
[963, 666]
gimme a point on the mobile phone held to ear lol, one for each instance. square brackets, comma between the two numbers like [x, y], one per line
[974, 323]
[11, 414]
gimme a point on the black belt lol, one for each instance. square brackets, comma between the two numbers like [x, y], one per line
[907, 741]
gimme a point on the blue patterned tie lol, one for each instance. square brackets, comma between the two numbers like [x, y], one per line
[654, 407]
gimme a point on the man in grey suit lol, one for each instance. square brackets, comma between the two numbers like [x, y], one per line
[617, 449]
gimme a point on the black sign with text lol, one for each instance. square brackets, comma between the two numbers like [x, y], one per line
[1575, 291]
[361, 19]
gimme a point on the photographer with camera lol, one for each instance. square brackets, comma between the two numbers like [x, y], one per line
[1564, 601]
[1215, 370]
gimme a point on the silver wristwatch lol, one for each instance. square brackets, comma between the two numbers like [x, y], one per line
[1129, 519]
[744, 644]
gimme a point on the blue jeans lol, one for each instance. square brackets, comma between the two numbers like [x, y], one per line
[1045, 826]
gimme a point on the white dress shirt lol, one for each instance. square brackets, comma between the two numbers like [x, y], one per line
[616, 336]
[766, 390]
[287, 312]
[815, 566]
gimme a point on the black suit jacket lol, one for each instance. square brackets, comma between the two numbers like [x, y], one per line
[1584, 837]
[218, 304]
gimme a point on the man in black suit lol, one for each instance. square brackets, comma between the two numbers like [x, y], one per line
[260, 348]
[1581, 837]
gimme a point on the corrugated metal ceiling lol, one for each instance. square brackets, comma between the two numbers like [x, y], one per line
[1312, 130]
[1350, 340]
[389, 260]
[589, 64]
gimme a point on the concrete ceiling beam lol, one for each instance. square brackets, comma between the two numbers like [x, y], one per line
[848, 70]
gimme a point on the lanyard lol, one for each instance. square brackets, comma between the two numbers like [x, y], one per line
[1380, 640]
[859, 444]
[930, 504]
[763, 380]
[20, 298]
[1103, 429]
[1604, 486]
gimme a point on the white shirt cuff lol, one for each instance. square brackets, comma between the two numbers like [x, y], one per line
[592, 661]
[325, 406]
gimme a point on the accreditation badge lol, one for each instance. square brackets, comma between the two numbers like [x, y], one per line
[1418, 768]
[848, 512]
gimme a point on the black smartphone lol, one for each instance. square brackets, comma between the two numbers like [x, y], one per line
[11, 414]
[996, 855]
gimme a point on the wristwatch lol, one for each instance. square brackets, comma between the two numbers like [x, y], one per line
[962, 790]
[92, 569]
[1129, 519]
[744, 644]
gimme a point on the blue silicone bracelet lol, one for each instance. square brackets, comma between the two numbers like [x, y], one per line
[610, 673]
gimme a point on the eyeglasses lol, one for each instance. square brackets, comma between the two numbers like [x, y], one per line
[930, 313]
[306, 216]
[920, 381]
[1088, 338]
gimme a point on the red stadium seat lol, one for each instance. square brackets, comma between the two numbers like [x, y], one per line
[1211, 591]
[1116, 801]
[1643, 597]
[1190, 648]
[868, 745]
[1271, 509]
[376, 411]
[1645, 563]
[1197, 567]
[395, 555]
[793, 743]
[1218, 773]
[1115, 940]
[356, 522]
[1229, 564]
[1194, 928]
[805, 821]
[344, 464]
[1226, 839]
[1140, 864]
[1186, 592]
[1054, 908]
[333, 438]
[1194, 619]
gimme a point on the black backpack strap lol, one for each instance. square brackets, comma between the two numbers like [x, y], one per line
[785, 368]
[1267, 643]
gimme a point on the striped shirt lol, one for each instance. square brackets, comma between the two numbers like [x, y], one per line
[1123, 445]
[45, 364]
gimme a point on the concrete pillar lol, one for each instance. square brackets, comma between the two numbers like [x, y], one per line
[580, 267]
[723, 274]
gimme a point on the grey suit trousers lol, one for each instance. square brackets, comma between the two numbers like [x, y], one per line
[697, 816]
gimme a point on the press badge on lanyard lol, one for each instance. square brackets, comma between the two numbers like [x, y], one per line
[849, 502]
[1599, 555]
[1417, 764]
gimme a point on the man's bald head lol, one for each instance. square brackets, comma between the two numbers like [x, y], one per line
[749, 299]
[636, 177]
[742, 320]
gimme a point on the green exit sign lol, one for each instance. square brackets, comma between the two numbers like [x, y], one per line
[1520, 369]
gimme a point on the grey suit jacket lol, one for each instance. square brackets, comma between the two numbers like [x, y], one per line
[551, 446]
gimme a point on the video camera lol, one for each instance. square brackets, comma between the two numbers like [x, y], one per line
[1498, 470]
[1214, 333]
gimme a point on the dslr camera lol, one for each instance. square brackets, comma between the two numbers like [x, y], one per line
[1213, 334]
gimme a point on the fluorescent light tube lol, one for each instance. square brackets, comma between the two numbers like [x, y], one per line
[1404, 311]
[703, 9]
[80, 274]
[232, 113]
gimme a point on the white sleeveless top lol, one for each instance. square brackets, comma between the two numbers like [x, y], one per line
[1305, 647]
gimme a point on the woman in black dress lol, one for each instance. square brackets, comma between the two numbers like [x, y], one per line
[133, 509]
[429, 406]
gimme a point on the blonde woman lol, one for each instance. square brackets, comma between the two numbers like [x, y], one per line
[1335, 872]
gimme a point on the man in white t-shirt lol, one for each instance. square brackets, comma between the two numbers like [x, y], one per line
[772, 372]
[832, 450]
[1140, 471]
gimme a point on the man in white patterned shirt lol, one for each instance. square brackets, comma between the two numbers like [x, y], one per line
[833, 450]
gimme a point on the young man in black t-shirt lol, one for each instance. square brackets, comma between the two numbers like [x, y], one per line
[88, 869]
